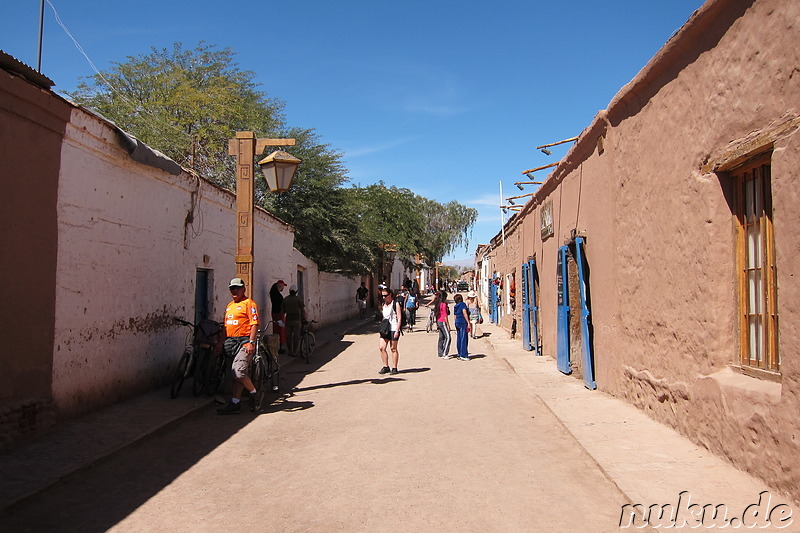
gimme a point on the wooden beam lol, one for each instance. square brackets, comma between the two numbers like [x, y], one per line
[540, 168]
[559, 142]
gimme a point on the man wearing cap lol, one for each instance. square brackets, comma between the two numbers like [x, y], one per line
[295, 312]
[241, 329]
[276, 299]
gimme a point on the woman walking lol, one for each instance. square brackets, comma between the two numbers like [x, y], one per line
[442, 323]
[462, 327]
[389, 331]
[474, 311]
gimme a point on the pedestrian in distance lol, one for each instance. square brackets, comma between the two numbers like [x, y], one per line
[276, 299]
[362, 293]
[389, 331]
[411, 306]
[462, 327]
[238, 341]
[474, 310]
[442, 311]
[294, 311]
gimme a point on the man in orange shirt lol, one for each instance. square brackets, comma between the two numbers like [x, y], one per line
[241, 329]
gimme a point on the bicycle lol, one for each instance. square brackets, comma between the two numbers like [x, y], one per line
[196, 358]
[307, 341]
[265, 370]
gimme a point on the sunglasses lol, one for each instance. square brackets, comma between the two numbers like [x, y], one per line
[384, 295]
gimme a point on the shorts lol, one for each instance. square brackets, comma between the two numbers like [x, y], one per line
[241, 361]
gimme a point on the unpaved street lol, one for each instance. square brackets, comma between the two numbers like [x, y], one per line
[445, 445]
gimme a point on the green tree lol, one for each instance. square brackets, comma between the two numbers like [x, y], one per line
[185, 103]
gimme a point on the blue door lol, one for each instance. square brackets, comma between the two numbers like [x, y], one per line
[530, 330]
[562, 332]
[493, 301]
[586, 337]
[526, 306]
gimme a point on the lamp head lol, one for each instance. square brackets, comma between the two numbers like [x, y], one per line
[279, 168]
[519, 186]
[545, 151]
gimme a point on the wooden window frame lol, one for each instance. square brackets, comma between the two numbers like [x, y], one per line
[768, 366]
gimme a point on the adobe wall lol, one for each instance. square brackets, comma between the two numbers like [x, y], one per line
[660, 232]
[132, 238]
[30, 143]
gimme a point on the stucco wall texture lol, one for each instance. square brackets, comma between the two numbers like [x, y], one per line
[642, 185]
[131, 240]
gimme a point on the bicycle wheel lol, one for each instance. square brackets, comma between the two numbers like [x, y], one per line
[181, 372]
[215, 374]
[201, 367]
[305, 352]
[273, 372]
[260, 381]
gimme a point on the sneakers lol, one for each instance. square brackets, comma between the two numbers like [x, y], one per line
[384, 370]
[463, 358]
[230, 408]
[393, 371]
[447, 357]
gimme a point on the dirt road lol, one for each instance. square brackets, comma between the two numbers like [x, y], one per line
[445, 445]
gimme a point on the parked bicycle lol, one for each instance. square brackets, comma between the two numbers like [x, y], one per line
[197, 356]
[265, 369]
[307, 340]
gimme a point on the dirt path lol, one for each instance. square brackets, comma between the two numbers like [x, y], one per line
[445, 445]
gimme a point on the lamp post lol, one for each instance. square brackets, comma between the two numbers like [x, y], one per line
[278, 168]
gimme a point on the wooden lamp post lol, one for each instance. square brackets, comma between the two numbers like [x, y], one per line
[278, 168]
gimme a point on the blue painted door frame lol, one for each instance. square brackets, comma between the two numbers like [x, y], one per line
[586, 338]
[562, 332]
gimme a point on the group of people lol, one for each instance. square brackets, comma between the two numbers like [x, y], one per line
[405, 303]
[288, 314]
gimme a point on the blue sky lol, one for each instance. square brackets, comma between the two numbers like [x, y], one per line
[446, 98]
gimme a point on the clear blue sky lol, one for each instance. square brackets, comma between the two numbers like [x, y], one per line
[445, 97]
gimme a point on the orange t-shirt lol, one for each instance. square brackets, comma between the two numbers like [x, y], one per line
[240, 318]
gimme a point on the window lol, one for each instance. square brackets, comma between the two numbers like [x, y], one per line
[755, 251]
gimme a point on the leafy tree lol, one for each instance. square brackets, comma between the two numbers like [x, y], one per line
[186, 103]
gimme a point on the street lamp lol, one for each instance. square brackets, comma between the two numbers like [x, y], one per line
[276, 167]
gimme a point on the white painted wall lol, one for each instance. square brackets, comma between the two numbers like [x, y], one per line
[127, 262]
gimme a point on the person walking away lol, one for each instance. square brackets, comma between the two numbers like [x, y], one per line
[462, 327]
[474, 311]
[412, 303]
[238, 340]
[442, 323]
[276, 299]
[390, 310]
[294, 311]
[361, 297]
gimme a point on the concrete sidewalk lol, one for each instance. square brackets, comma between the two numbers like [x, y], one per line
[77, 444]
[649, 462]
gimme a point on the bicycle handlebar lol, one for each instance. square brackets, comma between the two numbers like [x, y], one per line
[182, 322]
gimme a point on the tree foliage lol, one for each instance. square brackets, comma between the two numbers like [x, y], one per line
[187, 103]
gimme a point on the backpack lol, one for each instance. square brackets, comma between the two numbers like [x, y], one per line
[401, 316]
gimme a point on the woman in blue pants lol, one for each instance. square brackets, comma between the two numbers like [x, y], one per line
[462, 327]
